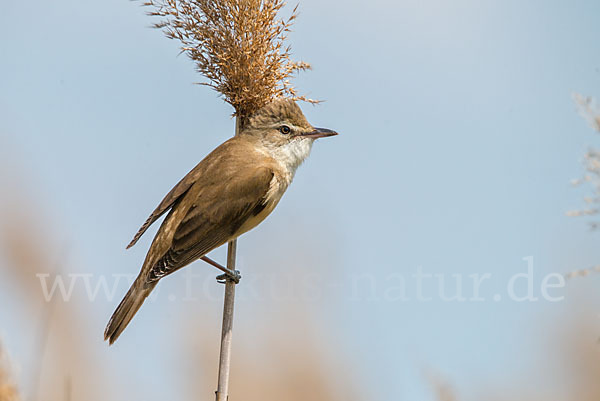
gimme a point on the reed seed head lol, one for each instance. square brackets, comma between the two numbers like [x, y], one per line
[237, 45]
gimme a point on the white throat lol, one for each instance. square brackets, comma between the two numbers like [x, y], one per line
[292, 154]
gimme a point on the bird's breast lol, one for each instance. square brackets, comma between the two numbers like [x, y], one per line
[276, 190]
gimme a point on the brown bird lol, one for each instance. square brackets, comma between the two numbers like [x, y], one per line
[228, 193]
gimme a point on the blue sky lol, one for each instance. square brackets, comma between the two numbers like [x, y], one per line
[458, 141]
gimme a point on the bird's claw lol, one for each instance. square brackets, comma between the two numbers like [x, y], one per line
[234, 276]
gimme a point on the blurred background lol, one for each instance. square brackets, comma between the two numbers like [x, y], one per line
[460, 140]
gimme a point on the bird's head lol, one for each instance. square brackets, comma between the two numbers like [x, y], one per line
[281, 128]
[281, 122]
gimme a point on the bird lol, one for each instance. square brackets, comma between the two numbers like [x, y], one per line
[232, 190]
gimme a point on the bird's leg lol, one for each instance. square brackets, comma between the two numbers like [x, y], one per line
[229, 274]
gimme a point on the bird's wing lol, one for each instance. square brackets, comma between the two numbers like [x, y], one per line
[217, 208]
[176, 193]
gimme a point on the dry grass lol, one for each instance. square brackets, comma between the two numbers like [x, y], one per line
[575, 351]
[238, 45]
[61, 339]
[275, 361]
[8, 390]
[442, 389]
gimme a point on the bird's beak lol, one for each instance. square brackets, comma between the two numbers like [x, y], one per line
[319, 133]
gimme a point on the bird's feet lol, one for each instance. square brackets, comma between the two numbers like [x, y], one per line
[234, 276]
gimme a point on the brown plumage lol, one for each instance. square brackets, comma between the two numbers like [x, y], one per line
[228, 193]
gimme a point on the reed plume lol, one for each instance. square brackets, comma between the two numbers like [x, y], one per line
[238, 45]
[590, 111]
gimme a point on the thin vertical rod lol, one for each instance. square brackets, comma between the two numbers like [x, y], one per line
[222, 393]
[227, 330]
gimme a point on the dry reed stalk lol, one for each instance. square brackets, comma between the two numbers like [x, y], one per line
[238, 45]
[222, 393]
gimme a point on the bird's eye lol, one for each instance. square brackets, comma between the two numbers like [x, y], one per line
[284, 129]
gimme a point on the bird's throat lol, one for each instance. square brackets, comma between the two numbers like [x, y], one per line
[291, 155]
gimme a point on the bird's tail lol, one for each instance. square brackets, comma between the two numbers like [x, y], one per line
[128, 307]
